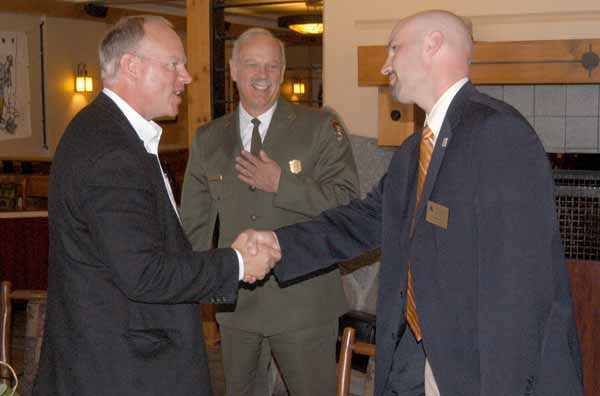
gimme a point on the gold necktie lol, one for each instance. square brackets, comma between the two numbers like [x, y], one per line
[425, 151]
[256, 144]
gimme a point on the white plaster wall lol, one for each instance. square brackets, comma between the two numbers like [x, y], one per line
[67, 42]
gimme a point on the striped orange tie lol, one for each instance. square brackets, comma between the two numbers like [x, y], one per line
[425, 151]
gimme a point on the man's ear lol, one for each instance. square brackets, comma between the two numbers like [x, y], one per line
[434, 42]
[233, 70]
[130, 66]
[282, 75]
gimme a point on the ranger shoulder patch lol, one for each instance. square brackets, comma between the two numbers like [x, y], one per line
[337, 129]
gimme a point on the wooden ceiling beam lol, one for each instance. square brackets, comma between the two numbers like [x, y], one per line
[127, 2]
[62, 9]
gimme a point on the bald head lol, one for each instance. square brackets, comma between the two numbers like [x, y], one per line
[427, 53]
[457, 32]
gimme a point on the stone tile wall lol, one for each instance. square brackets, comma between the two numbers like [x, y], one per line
[566, 117]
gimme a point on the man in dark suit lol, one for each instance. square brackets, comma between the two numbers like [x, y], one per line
[474, 295]
[124, 284]
[292, 163]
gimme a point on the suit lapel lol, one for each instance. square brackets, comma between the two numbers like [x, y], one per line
[280, 124]
[111, 110]
[229, 147]
[232, 140]
[453, 117]
[150, 161]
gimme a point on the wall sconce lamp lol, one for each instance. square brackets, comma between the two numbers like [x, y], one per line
[298, 88]
[83, 82]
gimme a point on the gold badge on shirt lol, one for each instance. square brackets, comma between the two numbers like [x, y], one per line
[295, 166]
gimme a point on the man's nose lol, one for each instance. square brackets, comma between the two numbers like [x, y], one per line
[263, 71]
[386, 68]
[185, 76]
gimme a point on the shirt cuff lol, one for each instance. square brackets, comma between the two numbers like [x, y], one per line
[241, 264]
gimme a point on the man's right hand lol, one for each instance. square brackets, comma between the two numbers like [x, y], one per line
[260, 254]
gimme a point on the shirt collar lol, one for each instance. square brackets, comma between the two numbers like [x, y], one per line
[436, 116]
[264, 118]
[148, 131]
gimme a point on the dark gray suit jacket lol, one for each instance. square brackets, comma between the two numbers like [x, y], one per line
[492, 290]
[124, 284]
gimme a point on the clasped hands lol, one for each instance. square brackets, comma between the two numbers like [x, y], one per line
[260, 251]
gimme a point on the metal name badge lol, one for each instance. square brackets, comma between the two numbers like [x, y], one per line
[295, 166]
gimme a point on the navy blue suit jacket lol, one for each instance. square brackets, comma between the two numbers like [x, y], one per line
[491, 290]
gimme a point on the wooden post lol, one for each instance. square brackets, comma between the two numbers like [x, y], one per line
[200, 105]
[199, 55]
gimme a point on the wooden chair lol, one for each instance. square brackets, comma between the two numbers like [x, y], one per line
[349, 346]
[7, 296]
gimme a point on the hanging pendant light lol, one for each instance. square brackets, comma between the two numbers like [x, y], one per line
[303, 24]
[310, 23]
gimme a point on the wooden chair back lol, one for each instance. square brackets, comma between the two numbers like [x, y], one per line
[7, 296]
[348, 348]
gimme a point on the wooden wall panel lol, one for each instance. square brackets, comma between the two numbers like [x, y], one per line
[585, 284]
[370, 61]
[517, 62]
[393, 133]
[513, 62]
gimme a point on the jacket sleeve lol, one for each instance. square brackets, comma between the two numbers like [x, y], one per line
[524, 303]
[336, 235]
[334, 181]
[120, 208]
[197, 213]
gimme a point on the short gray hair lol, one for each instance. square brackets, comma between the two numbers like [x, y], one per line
[253, 32]
[125, 36]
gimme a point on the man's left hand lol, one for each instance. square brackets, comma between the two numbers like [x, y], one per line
[261, 173]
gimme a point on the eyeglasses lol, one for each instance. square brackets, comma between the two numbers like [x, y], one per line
[173, 66]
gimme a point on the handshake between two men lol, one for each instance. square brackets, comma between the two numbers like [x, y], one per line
[260, 251]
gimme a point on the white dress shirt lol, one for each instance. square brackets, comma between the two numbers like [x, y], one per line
[246, 125]
[149, 133]
[435, 117]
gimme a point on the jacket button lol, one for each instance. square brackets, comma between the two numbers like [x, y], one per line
[253, 217]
